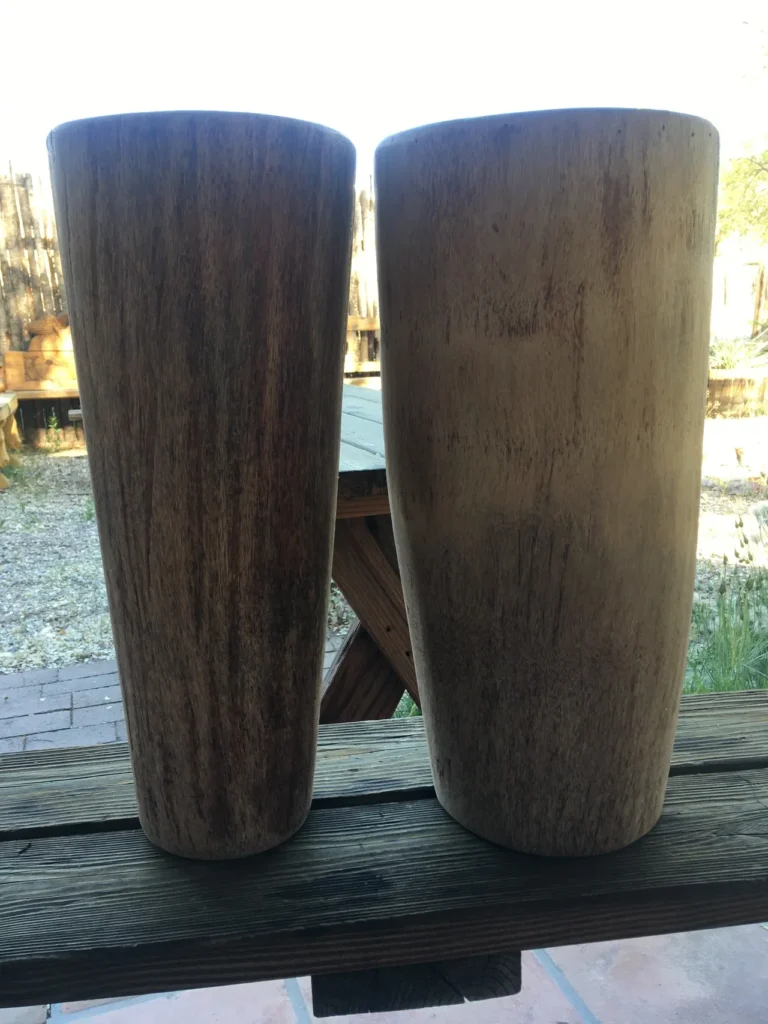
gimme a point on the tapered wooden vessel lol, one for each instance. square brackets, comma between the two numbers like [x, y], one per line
[545, 289]
[206, 259]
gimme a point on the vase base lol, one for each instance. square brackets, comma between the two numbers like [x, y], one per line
[212, 851]
[546, 844]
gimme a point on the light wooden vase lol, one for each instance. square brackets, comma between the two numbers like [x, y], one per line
[206, 260]
[545, 286]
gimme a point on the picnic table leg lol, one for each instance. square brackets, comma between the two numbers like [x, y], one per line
[4, 460]
[9, 438]
[362, 685]
[375, 665]
[12, 436]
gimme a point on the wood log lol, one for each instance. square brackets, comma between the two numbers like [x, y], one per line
[545, 291]
[218, 243]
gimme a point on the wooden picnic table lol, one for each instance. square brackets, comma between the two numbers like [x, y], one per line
[374, 666]
[378, 879]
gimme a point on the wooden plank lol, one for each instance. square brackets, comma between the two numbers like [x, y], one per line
[362, 466]
[371, 584]
[91, 787]
[362, 887]
[362, 323]
[356, 365]
[365, 434]
[721, 731]
[362, 685]
[48, 393]
[364, 410]
[362, 483]
[355, 391]
[411, 987]
[40, 372]
[8, 405]
[365, 505]
[358, 460]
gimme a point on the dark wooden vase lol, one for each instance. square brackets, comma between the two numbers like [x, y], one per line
[206, 259]
[545, 289]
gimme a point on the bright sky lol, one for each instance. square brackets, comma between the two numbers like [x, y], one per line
[373, 68]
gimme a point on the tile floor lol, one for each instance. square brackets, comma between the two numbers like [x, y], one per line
[712, 977]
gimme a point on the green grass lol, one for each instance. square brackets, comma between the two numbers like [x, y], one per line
[749, 354]
[728, 648]
[407, 708]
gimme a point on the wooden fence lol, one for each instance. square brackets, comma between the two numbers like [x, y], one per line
[31, 284]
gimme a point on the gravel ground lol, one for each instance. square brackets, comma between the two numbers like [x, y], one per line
[53, 604]
[53, 601]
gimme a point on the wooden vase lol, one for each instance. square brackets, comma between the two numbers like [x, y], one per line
[545, 296]
[206, 259]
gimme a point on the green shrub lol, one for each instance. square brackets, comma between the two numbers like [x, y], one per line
[749, 354]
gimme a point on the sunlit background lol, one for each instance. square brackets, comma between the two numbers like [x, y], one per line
[373, 69]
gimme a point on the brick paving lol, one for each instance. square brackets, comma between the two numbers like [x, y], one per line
[80, 705]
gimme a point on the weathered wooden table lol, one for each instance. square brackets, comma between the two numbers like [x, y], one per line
[374, 666]
[379, 877]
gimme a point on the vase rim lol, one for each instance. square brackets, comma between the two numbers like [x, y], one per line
[200, 116]
[554, 114]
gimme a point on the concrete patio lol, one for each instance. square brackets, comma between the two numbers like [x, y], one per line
[711, 977]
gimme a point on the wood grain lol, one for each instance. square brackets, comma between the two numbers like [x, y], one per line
[365, 569]
[389, 989]
[30, 373]
[88, 789]
[361, 685]
[362, 887]
[57, 791]
[545, 293]
[218, 244]
[362, 323]
[364, 505]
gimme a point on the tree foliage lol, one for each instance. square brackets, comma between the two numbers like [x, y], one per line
[744, 197]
